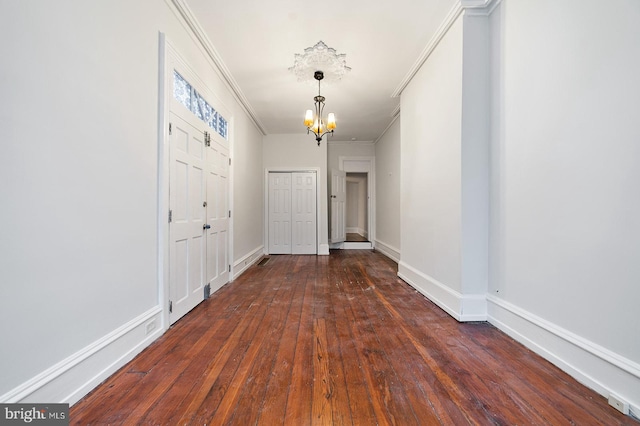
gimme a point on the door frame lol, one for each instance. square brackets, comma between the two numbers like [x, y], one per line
[265, 244]
[364, 164]
[168, 58]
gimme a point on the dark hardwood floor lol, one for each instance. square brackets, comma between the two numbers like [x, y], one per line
[336, 340]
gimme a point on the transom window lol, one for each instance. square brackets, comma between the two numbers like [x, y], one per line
[194, 102]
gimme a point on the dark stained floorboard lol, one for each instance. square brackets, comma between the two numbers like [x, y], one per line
[336, 340]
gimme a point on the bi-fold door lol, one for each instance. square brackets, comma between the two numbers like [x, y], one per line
[292, 213]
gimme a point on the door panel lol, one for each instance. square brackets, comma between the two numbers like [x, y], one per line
[303, 213]
[217, 215]
[280, 213]
[187, 251]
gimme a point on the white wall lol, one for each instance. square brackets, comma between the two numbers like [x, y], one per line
[348, 149]
[387, 153]
[248, 208]
[300, 152]
[352, 205]
[565, 227]
[79, 180]
[558, 178]
[430, 177]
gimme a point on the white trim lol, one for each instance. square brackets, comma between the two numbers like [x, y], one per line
[472, 7]
[192, 23]
[323, 250]
[480, 7]
[468, 307]
[164, 91]
[388, 250]
[442, 30]
[246, 262]
[395, 117]
[72, 378]
[371, 186]
[395, 112]
[593, 365]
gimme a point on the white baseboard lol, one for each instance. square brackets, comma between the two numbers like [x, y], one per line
[389, 251]
[72, 378]
[463, 308]
[323, 250]
[594, 366]
[246, 261]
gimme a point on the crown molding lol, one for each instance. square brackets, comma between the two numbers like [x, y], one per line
[396, 111]
[480, 7]
[472, 7]
[384, 132]
[197, 30]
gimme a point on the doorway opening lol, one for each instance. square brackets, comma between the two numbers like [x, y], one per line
[357, 206]
[359, 202]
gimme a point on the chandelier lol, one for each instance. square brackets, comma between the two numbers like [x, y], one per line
[322, 62]
[314, 122]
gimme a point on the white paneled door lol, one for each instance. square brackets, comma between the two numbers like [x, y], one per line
[292, 213]
[280, 213]
[338, 232]
[199, 221]
[303, 213]
[217, 214]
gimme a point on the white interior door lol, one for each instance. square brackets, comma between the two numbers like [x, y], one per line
[280, 213]
[338, 206]
[187, 186]
[217, 226]
[303, 209]
[292, 198]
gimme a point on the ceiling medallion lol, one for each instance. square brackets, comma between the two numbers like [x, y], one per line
[320, 58]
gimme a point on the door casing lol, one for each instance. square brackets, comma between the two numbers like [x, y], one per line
[170, 59]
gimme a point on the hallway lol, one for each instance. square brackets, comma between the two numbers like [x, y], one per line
[335, 339]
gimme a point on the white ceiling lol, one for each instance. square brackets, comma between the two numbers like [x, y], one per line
[382, 40]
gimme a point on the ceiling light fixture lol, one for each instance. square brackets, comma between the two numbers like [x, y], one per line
[324, 63]
[314, 122]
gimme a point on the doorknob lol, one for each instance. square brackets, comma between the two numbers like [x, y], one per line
[206, 226]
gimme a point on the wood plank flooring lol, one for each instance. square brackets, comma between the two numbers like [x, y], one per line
[336, 340]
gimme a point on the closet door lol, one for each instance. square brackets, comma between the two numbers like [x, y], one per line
[280, 213]
[292, 213]
[303, 208]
